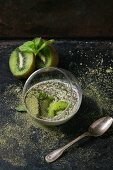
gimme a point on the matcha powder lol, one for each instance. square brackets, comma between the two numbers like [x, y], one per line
[20, 136]
[23, 139]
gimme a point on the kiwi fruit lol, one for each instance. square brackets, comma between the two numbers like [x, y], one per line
[44, 102]
[32, 105]
[21, 64]
[42, 105]
[47, 58]
[55, 107]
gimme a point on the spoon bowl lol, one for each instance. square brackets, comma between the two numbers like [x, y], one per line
[100, 126]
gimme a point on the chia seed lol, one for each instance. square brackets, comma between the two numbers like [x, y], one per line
[60, 91]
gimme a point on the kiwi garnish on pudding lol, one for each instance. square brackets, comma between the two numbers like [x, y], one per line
[32, 105]
[21, 64]
[55, 107]
[42, 105]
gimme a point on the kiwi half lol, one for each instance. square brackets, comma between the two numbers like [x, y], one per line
[21, 64]
[47, 58]
[56, 107]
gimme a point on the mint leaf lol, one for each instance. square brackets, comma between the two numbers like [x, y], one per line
[28, 44]
[21, 108]
[37, 42]
[35, 46]
[41, 95]
[27, 47]
[45, 44]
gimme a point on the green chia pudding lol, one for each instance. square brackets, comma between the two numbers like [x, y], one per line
[52, 100]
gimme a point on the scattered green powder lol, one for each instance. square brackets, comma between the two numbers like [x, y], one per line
[17, 133]
[97, 84]
[109, 70]
[96, 94]
[16, 137]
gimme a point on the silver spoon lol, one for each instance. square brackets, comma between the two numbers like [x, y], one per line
[98, 128]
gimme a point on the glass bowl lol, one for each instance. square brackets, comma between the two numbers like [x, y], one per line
[69, 88]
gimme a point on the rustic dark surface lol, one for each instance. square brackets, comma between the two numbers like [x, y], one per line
[56, 18]
[91, 62]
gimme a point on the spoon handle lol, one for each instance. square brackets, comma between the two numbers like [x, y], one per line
[58, 152]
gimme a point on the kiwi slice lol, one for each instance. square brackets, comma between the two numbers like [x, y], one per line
[32, 105]
[47, 58]
[56, 107]
[44, 102]
[21, 64]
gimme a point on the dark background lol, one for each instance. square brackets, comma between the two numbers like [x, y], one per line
[22, 19]
[56, 18]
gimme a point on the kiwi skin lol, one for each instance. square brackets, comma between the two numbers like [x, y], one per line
[53, 56]
[26, 74]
